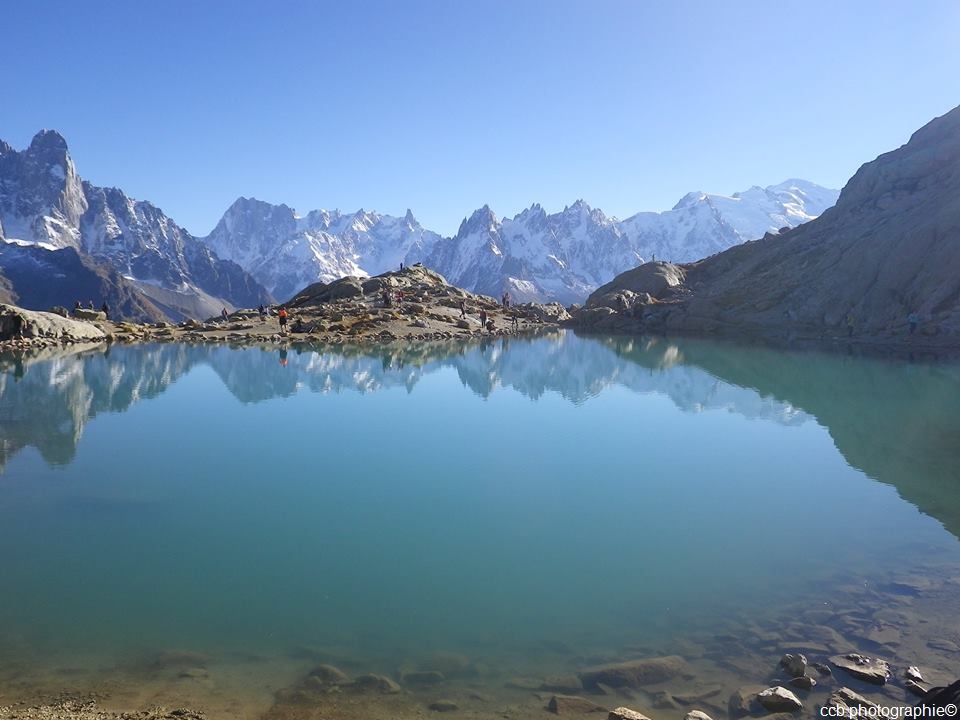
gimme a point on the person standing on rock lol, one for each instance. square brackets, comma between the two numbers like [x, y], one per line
[483, 319]
[282, 318]
[463, 308]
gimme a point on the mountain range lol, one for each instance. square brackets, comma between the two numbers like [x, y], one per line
[535, 256]
[63, 239]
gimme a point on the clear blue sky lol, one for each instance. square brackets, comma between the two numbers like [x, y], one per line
[443, 106]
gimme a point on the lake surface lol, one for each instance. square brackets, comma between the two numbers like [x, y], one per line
[528, 505]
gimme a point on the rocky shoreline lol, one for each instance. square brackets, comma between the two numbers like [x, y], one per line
[414, 304]
[870, 652]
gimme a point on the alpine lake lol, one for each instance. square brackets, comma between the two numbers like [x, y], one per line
[475, 523]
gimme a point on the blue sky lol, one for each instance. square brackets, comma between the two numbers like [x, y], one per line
[443, 106]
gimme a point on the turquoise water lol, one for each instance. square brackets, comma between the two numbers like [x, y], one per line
[483, 499]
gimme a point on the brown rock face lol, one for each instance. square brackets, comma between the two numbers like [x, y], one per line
[888, 251]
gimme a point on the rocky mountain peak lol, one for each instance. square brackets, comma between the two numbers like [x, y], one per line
[482, 220]
[47, 141]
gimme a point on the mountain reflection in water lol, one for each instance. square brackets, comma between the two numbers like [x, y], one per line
[897, 422]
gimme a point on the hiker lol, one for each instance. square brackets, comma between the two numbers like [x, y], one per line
[282, 317]
[263, 312]
[224, 314]
[483, 319]
[463, 308]
[77, 306]
[506, 300]
[913, 319]
[385, 297]
[401, 267]
[91, 305]
[516, 321]
[490, 325]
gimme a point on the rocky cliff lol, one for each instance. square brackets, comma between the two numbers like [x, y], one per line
[131, 246]
[888, 250]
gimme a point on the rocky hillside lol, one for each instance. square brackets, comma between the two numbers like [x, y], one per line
[131, 245]
[36, 277]
[888, 251]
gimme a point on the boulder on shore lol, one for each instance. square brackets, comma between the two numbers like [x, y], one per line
[17, 323]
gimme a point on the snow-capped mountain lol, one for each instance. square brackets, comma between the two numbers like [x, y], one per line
[535, 256]
[286, 253]
[701, 225]
[44, 205]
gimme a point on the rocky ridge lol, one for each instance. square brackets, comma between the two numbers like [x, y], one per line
[412, 304]
[882, 266]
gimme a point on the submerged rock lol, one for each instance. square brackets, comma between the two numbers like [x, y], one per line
[443, 706]
[376, 683]
[795, 665]
[572, 705]
[871, 670]
[329, 675]
[635, 673]
[804, 682]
